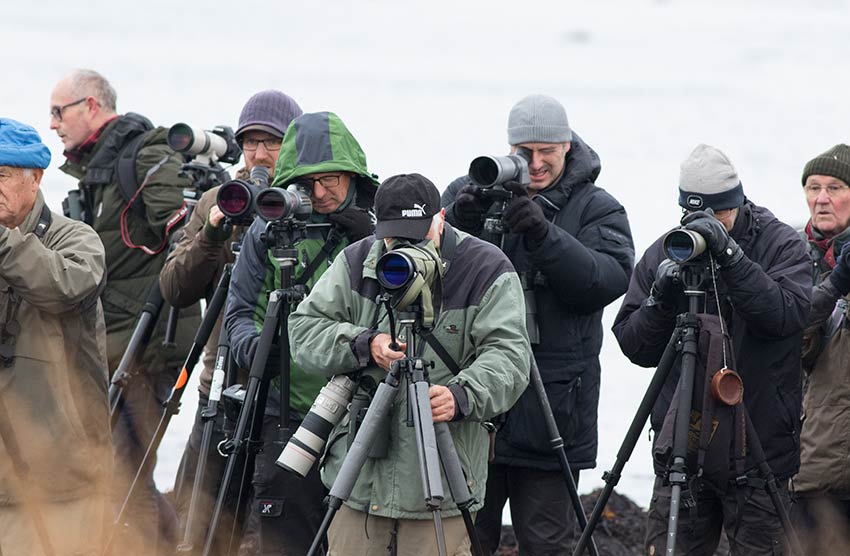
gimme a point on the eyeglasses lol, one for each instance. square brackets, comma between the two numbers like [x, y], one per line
[56, 111]
[270, 143]
[328, 182]
[832, 190]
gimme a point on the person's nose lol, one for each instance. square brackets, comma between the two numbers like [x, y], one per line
[319, 191]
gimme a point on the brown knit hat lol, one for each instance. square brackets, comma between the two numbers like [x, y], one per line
[835, 162]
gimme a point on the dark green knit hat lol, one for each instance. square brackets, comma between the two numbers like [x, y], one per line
[835, 162]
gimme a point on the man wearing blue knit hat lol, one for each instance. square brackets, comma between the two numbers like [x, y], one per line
[54, 419]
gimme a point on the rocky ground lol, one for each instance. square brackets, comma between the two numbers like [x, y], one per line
[619, 533]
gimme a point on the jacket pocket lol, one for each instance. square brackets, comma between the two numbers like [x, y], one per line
[526, 427]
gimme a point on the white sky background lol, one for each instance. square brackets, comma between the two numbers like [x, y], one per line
[426, 87]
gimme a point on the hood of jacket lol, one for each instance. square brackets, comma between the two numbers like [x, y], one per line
[320, 142]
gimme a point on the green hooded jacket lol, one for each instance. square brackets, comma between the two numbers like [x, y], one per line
[314, 143]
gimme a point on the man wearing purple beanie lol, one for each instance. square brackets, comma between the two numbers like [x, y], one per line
[192, 272]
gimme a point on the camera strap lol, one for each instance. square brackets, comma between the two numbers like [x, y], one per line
[11, 327]
[333, 240]
[441, 352]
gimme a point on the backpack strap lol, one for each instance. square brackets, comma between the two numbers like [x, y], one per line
[125, 167]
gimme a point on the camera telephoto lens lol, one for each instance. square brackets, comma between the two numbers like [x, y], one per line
[306, 445]
[682, 246]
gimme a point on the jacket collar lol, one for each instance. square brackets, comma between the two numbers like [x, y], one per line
[31, 220]
[582, 167]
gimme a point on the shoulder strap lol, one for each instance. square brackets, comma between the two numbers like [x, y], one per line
[125, 167]
[441, 352]
[44, 221]
[331, 243]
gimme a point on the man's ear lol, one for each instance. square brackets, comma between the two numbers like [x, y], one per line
[37, 174]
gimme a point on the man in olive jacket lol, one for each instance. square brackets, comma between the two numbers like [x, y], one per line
[135, 236]
[192, 272]
[53, 412]
[340, 328]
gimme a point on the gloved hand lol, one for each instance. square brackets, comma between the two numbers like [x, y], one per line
[725, 249]
[470, 206]
[524, 216]
[355, 222]
[840, 275]
[667, 286]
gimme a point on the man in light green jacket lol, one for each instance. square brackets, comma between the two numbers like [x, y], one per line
[339, 328]
[54, 425]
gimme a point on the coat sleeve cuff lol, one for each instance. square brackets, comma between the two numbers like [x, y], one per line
[360, 346]
[461, 401]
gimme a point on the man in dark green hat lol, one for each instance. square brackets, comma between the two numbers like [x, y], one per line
[324, 160]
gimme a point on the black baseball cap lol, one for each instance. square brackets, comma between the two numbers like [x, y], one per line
[405, 205]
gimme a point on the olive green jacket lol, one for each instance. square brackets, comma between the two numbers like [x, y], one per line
[130, 271]
[481, 325]
[55, 388]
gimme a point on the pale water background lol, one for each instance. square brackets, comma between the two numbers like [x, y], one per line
[426, 86]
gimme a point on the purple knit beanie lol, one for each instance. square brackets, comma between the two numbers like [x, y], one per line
[269, 111]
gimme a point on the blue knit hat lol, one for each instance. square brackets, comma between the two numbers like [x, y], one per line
[20, 146]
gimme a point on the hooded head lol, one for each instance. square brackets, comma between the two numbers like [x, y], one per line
[317, 143]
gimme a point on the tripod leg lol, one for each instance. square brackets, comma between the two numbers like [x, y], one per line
[378, 410]
[612, 477]
[557, 444]
[426, 446]
[754, 444]
[457, 483]
[253, 398]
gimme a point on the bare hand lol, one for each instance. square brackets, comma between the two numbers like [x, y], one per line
[216, 217]
[442, 403]
[382, 353]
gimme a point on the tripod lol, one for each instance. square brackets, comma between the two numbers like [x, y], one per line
[433, 441]
[281, 237]
[172, 405]
[684, 344]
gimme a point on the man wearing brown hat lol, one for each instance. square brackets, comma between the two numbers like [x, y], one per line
[760, 285]
[342, 328]
[192, 272]
[822, 486]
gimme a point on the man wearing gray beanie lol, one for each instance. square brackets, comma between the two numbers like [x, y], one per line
[192, 272]
[570, 242]
[759, 282]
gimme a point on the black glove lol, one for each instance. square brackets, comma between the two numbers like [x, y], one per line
[840, 276]
[355, 222]
[667, 286]
[725, 249]
[524, 216]
[470, 206]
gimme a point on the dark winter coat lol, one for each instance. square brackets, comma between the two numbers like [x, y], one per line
[765, 303]
[583, 264]
[130, 271]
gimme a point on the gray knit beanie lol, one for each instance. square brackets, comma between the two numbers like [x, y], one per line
[708, 180]
[835, 162]
[269, 111]
[538, 119]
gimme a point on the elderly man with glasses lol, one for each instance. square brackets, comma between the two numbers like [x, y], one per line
[192, 272]
[324, 159]
[823, 484]
[133, 212]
